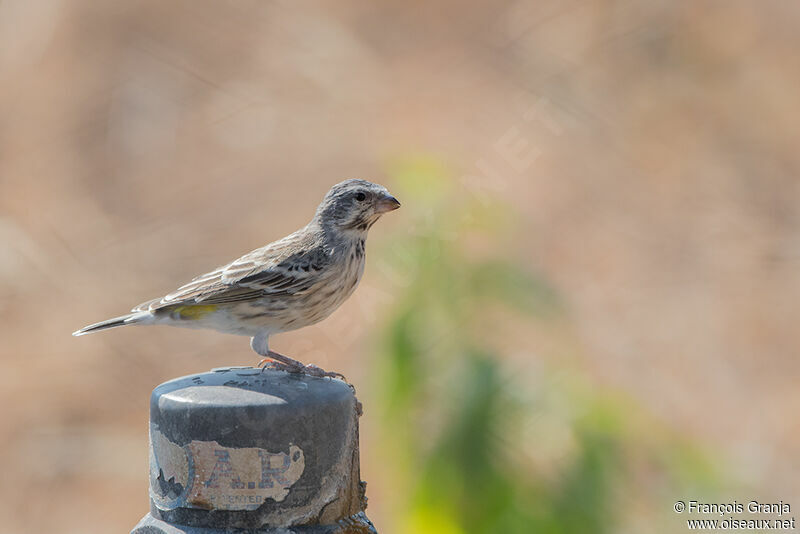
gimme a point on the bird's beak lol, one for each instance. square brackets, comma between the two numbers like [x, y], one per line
[387, 203]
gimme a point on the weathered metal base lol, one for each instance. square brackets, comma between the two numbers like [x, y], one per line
[357, 524]
[241, 450]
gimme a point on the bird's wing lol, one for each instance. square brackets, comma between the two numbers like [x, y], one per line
[286, 267]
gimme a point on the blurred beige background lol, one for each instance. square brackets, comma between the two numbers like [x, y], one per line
[651, 147]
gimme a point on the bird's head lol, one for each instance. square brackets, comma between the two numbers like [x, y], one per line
[353, 206]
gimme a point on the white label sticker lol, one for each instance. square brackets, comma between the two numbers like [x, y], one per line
[204, 474]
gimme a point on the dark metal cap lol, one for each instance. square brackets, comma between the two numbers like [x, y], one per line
[242, 448]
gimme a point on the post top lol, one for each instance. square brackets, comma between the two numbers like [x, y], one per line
[247, 386]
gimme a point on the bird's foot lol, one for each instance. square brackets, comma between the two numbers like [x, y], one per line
[290, 365]
[281, 362]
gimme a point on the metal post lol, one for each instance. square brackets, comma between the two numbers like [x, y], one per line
[264, 452]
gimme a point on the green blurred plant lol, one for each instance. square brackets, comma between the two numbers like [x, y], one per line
[478, 444]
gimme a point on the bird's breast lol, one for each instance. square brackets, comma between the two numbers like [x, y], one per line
[332, 290]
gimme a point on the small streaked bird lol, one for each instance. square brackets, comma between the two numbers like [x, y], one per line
[294, 282]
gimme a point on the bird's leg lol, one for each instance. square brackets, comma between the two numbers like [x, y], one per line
[293, 366]
[285, 363]
[260, 344]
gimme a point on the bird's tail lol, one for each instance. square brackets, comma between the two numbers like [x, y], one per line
[131, 318]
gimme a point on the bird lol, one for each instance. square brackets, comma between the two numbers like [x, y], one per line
[288, 284]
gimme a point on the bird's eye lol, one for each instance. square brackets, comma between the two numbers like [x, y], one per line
[361, 196]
